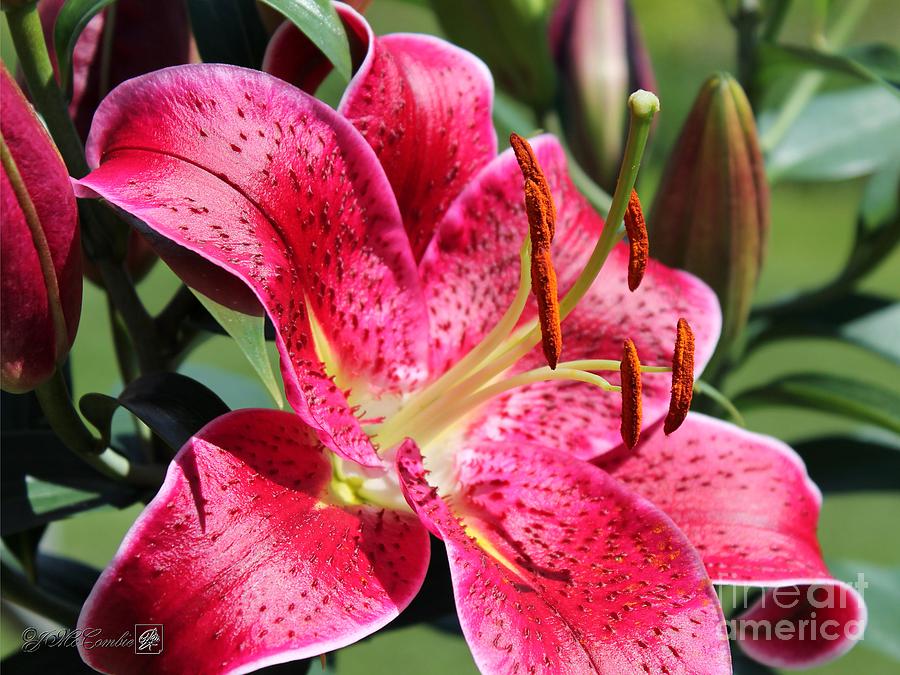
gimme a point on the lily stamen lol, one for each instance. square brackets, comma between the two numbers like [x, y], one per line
[682, 377]
[638, 243]
[541, 227]
[631, 395]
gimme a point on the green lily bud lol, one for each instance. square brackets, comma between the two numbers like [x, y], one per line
[601, 59]
[711, 213]
[511, 37]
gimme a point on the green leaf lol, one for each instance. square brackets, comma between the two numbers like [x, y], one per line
[43, 481]
[853, 462]
[831, 394]
[841, 134]
[173, 406]
[882, 594]
[872, 63]
[879, 201]
[70, 22]
[318, 20]
[228, 31]
[249, 334]
[47, 497]
[866, 321]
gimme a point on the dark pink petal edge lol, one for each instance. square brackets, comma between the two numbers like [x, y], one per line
[747, 504]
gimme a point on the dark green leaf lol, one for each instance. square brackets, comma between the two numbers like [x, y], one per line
[249, 333]
[228, 31]
[64, 578]
[45, 660]
[841, 134]
[872, 63]
[43, 481]
[172, 405]
[882, 595]
[852, 463]
[72, 19]
[318, 20]
[827, 393]
[867, 321]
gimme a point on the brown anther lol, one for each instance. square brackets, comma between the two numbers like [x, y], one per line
[631, 395]
[639, 252]
[541, 226]
[682, 377]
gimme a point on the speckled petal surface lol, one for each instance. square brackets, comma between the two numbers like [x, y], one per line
[262, 180]
[747, 504]
[568, 572]
[470, 271]
[425, 106]
[245, 565]
[581, 419]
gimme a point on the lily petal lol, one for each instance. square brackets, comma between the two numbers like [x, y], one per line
[748, 505]
[425, 106]
[577, 418]
[471, 269]
[262, 180]
[557, 568]
[246, 563]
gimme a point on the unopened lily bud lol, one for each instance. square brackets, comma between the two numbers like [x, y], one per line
[711, 213]
[601, 59]
[40, 268]
[511, 37]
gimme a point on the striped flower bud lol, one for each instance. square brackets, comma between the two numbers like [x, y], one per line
[711, 213]
[40, 269]
[601, 60]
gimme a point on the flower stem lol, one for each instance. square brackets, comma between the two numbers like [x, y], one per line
[67, 424]
[31, 50]
[808, 84]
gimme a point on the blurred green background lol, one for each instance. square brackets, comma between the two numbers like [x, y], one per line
[811, 234]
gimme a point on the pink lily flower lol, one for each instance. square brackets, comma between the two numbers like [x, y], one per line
[385, 241]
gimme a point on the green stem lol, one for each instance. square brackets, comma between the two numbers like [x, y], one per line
[642, 106]
[747, 21]
[56, 402]
[17, 589]
[708, 390]
[808, 84]
[31, 50]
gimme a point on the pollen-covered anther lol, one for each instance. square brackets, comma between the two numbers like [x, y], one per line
[639, 252]
[682, 377]
[541, 214]
[631, 395]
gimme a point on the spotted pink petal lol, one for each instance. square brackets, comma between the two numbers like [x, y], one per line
[273, 186]
[245, 560]
[293, 57]
[424, 105]
[750, 509]
[570, 572]
[471, 269]
[31, 344]
[579, 418]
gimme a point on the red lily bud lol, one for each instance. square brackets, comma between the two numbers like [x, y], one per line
[41, 252]
[711, 214]
[601, 59]
[147, 35]
[511, 37]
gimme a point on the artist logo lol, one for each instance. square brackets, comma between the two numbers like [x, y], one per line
[148, 638]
